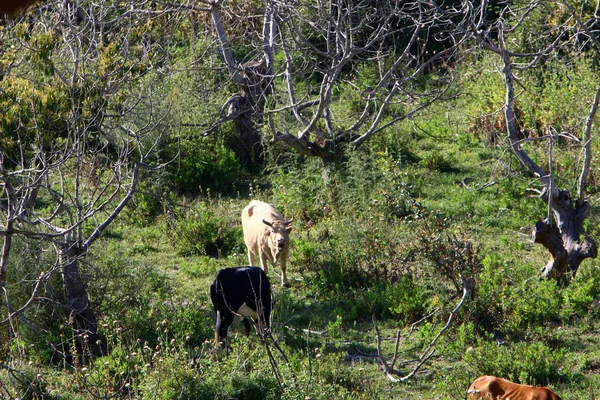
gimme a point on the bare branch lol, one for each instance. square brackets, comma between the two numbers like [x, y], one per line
[587, 149]
[389, 370]
[230, 62]
[98, 231]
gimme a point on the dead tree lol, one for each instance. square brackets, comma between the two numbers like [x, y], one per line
[76, 164]
[562, 230]
[321, 46]
[255, 80]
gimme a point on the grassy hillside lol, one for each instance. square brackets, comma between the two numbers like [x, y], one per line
[384, 239]
[386, 234]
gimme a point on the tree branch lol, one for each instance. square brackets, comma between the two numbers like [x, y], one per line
[389, 370]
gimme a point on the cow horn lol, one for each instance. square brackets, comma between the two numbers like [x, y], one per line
[267, 223]
[286, 223]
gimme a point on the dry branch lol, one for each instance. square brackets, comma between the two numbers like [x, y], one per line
[389, 370]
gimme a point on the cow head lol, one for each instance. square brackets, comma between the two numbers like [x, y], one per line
[279, 233]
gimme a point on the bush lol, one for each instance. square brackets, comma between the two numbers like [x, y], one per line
[23, 382]
[130, 297]
[202, 231]
[438, 161]
[41, 329]
[205, 163]
[407, 300]
[530, 363]
[580, 297]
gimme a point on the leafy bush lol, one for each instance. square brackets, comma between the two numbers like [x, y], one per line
[150, 200]
[205, 164]
[363, 184]
[530, 363]
[202, 231]
[129, 295]
[492, 290]
[581, 296]
[407, 300]
[303, 191]
[41, 332]
[437, 161]
[533, 303]
[24, 383]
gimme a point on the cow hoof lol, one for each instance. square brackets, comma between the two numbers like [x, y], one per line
[285, 284]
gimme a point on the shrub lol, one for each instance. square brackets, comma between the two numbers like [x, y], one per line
[437, 161]
[23, 382]
[530, 363]
[580, 297]
[534, 303]
[407, 300]
[41, 329]
[202, 231]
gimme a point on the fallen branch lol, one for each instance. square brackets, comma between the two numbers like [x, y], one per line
[389, 370]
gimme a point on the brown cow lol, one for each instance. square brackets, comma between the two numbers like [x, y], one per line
[266, 235]
[492, 388]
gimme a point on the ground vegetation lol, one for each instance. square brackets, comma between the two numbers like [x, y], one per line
[417, 148]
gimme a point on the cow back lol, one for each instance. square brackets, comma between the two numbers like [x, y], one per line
[491, 387]
[256, 211]
[238, 289]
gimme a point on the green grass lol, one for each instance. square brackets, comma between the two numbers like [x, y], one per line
[374, 237]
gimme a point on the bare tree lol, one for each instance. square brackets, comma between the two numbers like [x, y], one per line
[255, 80]
[321, 47]
[78, 127]
[561, 231]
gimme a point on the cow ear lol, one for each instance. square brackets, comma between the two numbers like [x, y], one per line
[288, 229]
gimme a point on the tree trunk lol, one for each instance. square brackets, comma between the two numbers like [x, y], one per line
[248, 147]
[563, 239]
[81, 315]
[247, 110]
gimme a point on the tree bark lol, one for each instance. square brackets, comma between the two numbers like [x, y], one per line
[81, 315]
[563, 239]
[246, 110]
[255, 81]
[561, 236]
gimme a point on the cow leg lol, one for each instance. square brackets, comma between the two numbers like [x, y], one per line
[223, 322]
[282, 263]
[251, 258]
[264, 262]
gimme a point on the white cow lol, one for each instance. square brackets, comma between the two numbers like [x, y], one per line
[266, 234]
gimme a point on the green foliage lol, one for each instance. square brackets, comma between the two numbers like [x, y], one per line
[301, 190]
[364, 184]
[26, 104]
[41, 333]
[407, 301]
[437, 161]
[531, 363]
[131, 295]
[580, 298]
[204, 164]
[533, 303]
[201, 231]
[24, 383]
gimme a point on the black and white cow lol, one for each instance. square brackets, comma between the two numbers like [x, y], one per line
[243, 291]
